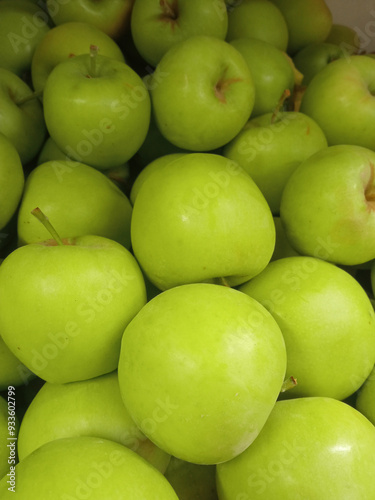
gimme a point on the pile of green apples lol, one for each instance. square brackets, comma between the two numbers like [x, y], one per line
[187, 245]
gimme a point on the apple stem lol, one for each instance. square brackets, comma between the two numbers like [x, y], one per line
[289, 383]
[279, 106]
[93, 53]
[224, 282]
[46, 223]
[30, 97]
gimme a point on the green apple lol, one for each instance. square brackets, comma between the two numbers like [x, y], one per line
[148, 170]
[227, 357]
[86, 467]
[68, 192]
[88, 408]
[270, 147]
[336, 223]
[214, 225]
[310, 448]
[12, 371]
[272, 73]
[21, 117]
[111, 16]
[345, 37]
[11, 180]
[327, 321]
[365, 402]
[22, 26]
[51, 152]
[64, 302]
[9, 425]
[341, 100]
[308, 21]
[96, 109]
[315, 56]
[202, 93]
[68, 40]
[282, 246]
[156, 25]
[258, 19]
[192, 481]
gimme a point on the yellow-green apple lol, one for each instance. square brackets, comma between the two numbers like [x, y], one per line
[51, 152]
[9, 425]
[345, 37]
[258, 19]
[309, 448]
[66, 320]
[213, 225]
[96, 109]
[315, 56]
[202, 93]
[148, 170]
[156, 25]
[68, 40]
[327, 321]
[282, 246]
[87, 408]
[111, 16]
[227, 357]
[272, 73]
[192, 481]
[11, 180]
[365, 401]
[308, 21]
[336, 223]
[22, 26]
[270, 147]
[340, 98]
[21, 117]
[87, 467]
[69, 192]
[12, 371]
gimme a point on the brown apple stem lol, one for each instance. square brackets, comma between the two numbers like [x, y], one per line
[289, 383]
[46, 223]
[280, 105]
[30, 97]
[94, 49]
[223, 282]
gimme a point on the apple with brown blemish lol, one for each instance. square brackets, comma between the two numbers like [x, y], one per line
[202, 93]
[328, 205]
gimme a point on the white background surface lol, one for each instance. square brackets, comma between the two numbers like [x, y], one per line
[358, 14]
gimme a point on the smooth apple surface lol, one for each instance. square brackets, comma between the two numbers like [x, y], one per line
[12, 371]
[327, 321]
[258, 19]
[308, 21]
[336, 223]
[282, 246]
[156, 25]
[87, 467]
[271, 146]
[111, 16]
[65, 41]
[87, 408]
[227, 357]
[97, 110]
[21, 118]
[73, 306]
[345, 37]
[341, 100]
[192, 481]
[202, 93]
[310, 448]
[22, 26]
[365, 401]
[69, 192]
[272, 73]
[215, 224]
[12, 180]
